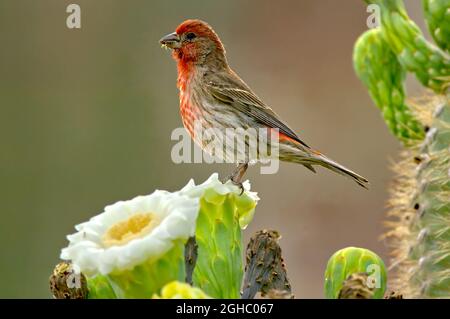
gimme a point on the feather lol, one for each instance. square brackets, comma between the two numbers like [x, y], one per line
[245, 101]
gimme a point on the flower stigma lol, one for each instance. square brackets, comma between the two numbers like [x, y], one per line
[136, 226]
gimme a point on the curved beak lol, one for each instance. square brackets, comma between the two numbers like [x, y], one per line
[171, 40]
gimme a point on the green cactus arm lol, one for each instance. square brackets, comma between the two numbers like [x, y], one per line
[414, 52]
[419, 223]
[432, 246]
[437, 16]
[378, 68]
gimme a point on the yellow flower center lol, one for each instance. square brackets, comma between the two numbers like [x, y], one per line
[136, 226]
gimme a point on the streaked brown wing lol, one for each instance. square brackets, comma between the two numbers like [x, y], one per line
[247, 102]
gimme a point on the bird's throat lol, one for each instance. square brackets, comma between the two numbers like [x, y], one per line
[186, 71]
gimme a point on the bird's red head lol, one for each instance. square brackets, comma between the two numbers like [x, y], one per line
[194, 41]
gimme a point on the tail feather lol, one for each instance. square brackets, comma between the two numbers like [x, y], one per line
[310, 167]
[324, 161]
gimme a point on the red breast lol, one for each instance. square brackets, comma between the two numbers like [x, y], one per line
[187, 109]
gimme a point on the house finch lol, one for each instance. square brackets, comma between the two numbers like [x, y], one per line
[214, 96]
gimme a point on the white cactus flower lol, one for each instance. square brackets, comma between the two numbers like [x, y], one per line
[131, 232]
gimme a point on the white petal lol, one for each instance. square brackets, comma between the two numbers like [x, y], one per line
[177, 213]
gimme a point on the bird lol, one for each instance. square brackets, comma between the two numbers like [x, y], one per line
[213, 97]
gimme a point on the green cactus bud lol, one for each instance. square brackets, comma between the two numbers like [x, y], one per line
[378, 68]
[223, 213]
[437, 16]
[414, 53]
[219, 269]
[352, 260]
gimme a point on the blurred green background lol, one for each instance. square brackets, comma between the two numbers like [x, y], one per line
[86, 118]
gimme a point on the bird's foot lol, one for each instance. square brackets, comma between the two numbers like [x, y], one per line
[236, 177]
[234, 182]
[240, 185]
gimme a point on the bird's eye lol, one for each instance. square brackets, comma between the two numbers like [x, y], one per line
[190, 36]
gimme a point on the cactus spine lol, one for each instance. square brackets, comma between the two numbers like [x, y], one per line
[420, 208]
[419, 213]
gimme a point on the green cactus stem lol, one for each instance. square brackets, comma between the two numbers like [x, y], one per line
[437, 16]
[419, 227]
[378, 68]
[429, 63]
[419, 223]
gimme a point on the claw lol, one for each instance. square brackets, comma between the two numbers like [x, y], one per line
[240, 185]
[236, 183]
[236, 177]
